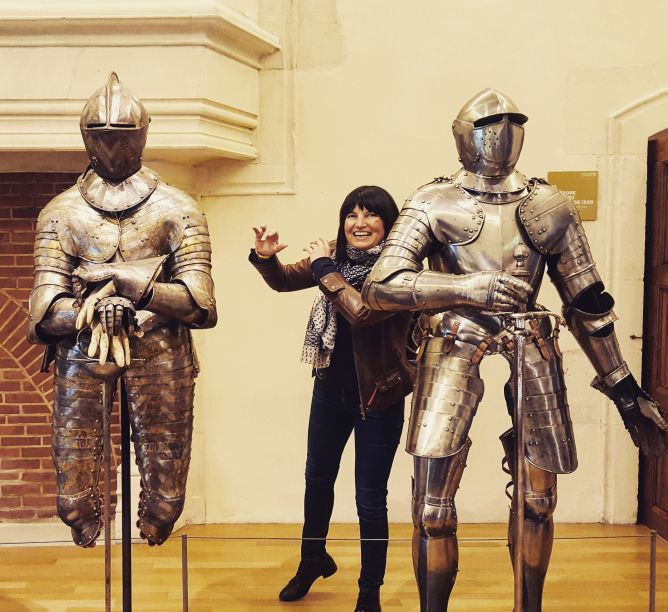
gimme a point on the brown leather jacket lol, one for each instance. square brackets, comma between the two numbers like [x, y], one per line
[384, 373]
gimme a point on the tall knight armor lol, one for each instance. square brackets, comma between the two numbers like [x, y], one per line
[122, 272]
[469, 226]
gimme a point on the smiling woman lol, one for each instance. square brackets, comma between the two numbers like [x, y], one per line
[362, 375]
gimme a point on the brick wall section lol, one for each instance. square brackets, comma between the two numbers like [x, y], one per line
[27, 477]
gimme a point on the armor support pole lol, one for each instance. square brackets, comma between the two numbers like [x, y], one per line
[184, 570]
[652, 572]
[106, 436]
[518, 493]
[126, 507]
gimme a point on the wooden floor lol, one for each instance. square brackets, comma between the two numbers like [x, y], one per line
[594, 567]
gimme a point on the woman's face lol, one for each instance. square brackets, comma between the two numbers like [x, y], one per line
[363, 229]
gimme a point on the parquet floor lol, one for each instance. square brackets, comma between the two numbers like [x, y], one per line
[594, 567]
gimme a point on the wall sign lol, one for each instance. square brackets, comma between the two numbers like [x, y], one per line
[581, 187]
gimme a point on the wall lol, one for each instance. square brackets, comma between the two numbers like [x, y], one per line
[376, 86]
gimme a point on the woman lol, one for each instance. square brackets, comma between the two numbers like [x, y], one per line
[361, 378]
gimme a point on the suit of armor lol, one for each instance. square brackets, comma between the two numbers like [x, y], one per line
[120, 225]
[468, 225]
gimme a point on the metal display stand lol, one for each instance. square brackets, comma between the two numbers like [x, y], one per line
[125, 501]
[107, 405]
[516, 324]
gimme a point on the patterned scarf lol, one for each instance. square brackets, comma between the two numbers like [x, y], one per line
[321, 326]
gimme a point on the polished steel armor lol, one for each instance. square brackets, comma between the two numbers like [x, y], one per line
[471, 226]
[114, 127]
[120, 227]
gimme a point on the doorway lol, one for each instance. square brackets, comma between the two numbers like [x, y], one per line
[653, 497]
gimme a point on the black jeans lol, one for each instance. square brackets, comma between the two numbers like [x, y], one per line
[335, 413]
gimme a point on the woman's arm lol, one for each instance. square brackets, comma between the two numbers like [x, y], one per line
[348, 301]
[345, 298]
[283, 277]
[280, 277]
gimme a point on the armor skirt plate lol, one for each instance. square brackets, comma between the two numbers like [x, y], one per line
[448, 391]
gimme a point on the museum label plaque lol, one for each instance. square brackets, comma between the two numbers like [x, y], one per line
[582, 187]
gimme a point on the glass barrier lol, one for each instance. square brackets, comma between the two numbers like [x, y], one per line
[213, 568]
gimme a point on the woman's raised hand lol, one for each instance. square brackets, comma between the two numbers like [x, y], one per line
[266, 242]
[318, 248]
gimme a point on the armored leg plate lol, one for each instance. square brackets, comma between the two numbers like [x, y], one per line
[447, 392]
[77, 449]
[539, 505]
[435, 551]
[160, 394]
[548, 430]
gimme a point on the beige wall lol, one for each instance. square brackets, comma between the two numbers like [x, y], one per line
[374, 89]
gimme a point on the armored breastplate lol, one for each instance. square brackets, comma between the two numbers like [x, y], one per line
[493, 247]
[149, 229]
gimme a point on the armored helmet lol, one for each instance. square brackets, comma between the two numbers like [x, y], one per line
[489, 134]
[114, 126]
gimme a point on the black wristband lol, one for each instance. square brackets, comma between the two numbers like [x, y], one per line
[322, 267]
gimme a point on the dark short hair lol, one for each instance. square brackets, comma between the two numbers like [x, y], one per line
[375, 200]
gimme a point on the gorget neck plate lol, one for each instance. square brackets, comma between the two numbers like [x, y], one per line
[117, 197]
[513, 183]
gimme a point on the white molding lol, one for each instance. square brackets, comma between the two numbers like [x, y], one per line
[638, 107]
[273, 173]
[103, 23]
[185, 130]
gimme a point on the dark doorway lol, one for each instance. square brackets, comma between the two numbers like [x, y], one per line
[653, 500]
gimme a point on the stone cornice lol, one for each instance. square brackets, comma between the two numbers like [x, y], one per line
[208, 23]
[191, 130]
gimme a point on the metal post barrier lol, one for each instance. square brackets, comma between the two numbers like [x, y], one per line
[126, 505]
[652, 572]
[184, 570]
[107, 395]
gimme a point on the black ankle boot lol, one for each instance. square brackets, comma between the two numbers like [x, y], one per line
[308, 572]
[368, 601]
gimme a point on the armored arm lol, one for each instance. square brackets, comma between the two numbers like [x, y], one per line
[399, 282]
[51, 309]
[591, 320]
[189, 295]
[588, 311]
